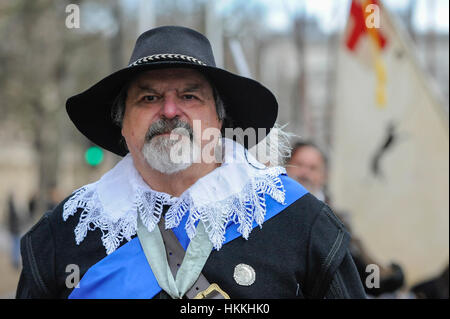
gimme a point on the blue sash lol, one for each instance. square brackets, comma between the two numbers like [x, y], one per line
[126, 274]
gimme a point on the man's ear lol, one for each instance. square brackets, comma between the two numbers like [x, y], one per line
[123, 142]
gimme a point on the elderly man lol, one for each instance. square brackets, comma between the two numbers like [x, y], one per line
[177, 216]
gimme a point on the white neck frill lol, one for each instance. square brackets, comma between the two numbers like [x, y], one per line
[234, 192]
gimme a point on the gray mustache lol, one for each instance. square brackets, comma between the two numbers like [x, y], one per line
[163, 126]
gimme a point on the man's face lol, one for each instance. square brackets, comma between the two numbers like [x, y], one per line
[307, 167]
[160, 101]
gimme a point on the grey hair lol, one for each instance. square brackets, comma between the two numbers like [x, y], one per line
[220, 105]
[277, 144]
[118, 106]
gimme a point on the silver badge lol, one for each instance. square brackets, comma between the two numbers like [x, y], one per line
[244, 274]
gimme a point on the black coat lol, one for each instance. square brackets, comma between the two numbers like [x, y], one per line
[302, 252]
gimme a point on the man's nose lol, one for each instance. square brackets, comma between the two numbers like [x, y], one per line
[170, 107]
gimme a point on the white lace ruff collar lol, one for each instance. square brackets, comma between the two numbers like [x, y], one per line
[233, 192]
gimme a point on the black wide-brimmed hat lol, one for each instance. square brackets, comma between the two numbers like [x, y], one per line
[248, 103]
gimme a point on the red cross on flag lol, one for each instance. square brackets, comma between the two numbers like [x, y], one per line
[359, 15]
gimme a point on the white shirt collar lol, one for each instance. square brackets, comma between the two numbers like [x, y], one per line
[234, 192]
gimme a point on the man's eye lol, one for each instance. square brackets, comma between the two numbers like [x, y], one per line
[189, 97]
[149, 98]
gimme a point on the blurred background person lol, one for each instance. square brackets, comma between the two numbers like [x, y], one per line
[13, 224]
[53, 198]
[309, 166]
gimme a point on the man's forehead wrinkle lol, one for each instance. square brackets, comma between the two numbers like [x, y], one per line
[156, 86]
[192, 87]
[144, 87]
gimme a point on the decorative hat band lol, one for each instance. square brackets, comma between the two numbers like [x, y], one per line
[167, 57]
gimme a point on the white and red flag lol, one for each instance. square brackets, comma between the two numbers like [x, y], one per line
[390, 156]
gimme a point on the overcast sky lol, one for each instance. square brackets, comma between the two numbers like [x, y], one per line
[332, 14]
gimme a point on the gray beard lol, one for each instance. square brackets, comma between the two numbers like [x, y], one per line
[169, 156]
